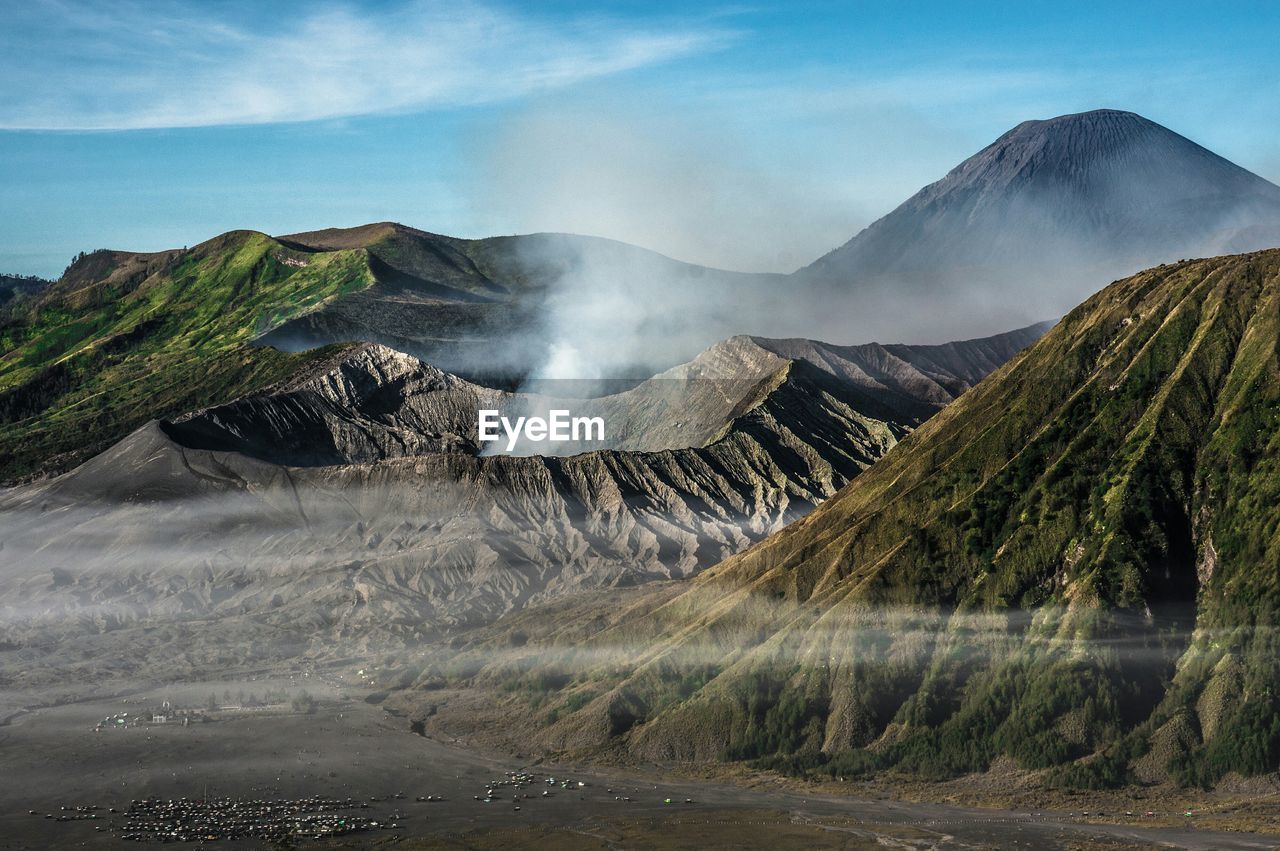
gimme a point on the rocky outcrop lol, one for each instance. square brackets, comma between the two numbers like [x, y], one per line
[370, 403]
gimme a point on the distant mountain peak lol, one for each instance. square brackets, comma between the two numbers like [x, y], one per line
[1081, 134]
[1037, 220]
[1093, 120]
[1098, 147]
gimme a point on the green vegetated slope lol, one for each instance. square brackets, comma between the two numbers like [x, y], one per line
[124, 338]
[1074, 566]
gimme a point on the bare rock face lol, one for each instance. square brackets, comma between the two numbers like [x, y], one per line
[368, 404]
[351, 508]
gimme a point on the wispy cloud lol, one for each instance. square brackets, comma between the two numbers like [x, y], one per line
[67, 65]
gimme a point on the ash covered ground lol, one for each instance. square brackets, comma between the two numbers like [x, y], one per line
[72, 763]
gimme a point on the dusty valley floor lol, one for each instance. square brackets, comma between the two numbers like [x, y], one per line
[352, 749]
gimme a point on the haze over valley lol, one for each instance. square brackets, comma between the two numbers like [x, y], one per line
[956, 532]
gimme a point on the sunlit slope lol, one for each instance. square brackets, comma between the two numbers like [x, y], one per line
[125, 338]
[1074, 565]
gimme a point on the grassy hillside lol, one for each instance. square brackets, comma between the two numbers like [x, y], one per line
[124, 338]
[1072, 567]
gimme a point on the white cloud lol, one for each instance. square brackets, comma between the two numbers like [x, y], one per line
[88, 66]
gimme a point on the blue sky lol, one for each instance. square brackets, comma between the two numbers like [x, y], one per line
[746, 136]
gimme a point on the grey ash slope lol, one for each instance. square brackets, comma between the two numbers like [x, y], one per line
[387, 528]
[373, 403]
[1038, 217]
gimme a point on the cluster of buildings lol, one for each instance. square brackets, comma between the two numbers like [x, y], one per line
[165, 713]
